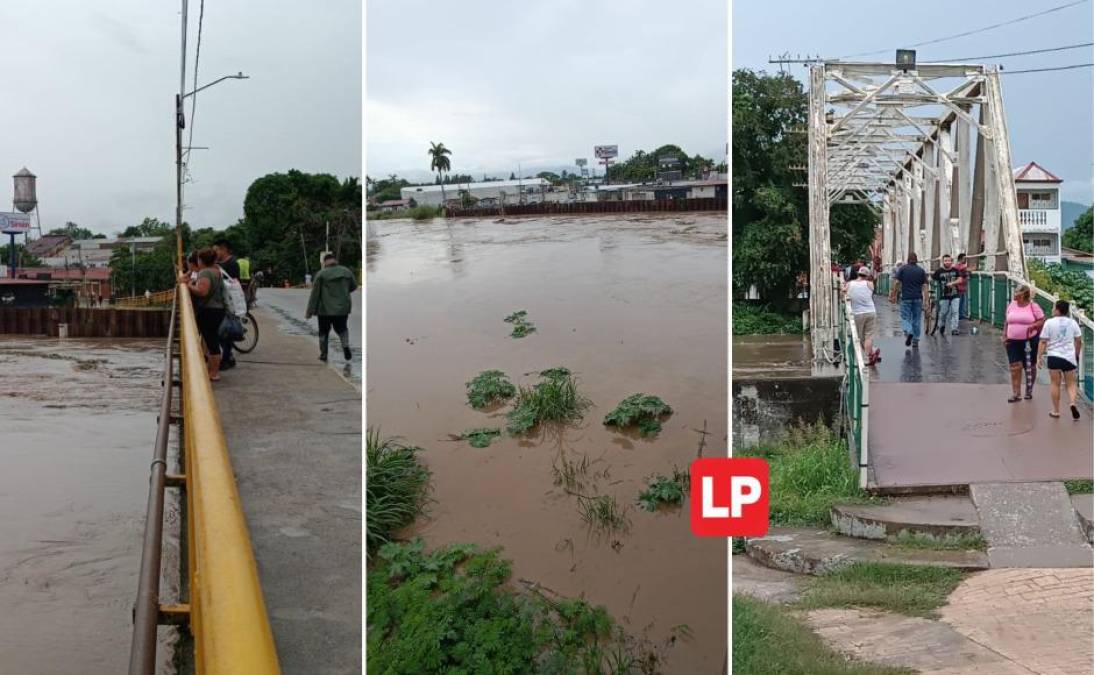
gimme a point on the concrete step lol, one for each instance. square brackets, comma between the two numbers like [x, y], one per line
[1084, 509]
[1031, 525]
[936, 517]
[816, 551]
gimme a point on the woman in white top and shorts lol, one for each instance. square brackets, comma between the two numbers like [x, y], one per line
[861, 293]
[1062, 342]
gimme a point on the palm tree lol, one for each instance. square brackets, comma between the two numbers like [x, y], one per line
[439, 163]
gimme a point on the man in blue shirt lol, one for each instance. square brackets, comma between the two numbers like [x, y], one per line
[911, 281]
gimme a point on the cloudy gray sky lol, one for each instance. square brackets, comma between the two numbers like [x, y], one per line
[1048, 114]
[89, 95]
[541, 83]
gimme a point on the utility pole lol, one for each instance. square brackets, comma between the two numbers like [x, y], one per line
[180, 122]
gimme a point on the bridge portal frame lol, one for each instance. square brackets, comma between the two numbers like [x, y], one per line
[899, 139]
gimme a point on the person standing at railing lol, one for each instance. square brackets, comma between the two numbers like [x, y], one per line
[963, 287]
[911, 282]
[1021, 327]
[949, 279]
[861, 294]
[227, 262]
[207, 289]
[1062, 344]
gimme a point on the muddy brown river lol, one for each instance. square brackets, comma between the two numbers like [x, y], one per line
[77, 423]
[629, 304]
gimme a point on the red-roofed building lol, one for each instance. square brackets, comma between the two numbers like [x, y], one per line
[1038, 192]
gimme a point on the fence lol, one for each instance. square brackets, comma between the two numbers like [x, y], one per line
[614, 206]
[226, 613]
[856, 390]
[158, 299]
[85, 322]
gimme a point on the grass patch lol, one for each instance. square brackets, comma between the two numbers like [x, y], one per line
[395, 489]
[570, 473]
[810, 473]
[603, 514]
[642, 409]
[452, 611]
[750, 319]
[487, 387]
[416, 212]
[665, 491]
[1076, 487]
[913, 590]
[521, 325]
[959, 542]
[554, 399]
[480, 437]
[768, 639]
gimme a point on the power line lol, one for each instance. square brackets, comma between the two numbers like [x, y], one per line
[1042, 70]
[194, 103]
[974, 31]
[996, 56]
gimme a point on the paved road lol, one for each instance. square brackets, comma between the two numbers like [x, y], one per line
[287, 307]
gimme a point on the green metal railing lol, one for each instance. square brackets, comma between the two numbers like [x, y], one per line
[856, 390]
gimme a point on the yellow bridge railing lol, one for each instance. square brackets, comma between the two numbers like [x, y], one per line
[227, 612]
[154, 300]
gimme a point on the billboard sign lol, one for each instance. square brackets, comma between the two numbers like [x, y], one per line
[606, 151]
[14, 223]
[581, 161]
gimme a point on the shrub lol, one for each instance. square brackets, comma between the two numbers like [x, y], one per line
[395, 489]
[487, 387]
[554, 399]
[642, 409]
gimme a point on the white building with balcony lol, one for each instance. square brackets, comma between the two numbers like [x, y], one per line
[1039, 211]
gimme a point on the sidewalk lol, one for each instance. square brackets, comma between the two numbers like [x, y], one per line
[293, 428]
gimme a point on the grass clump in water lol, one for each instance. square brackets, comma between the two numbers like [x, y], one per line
[913, 590]
[395, 489]
[810, 473]
[453, 611]
[570, 474]
[603, 514]
[554, 399]
[521, 325]
[767, 638]
[642, 409]
[487, 387]
[665, 491]
[480, 437]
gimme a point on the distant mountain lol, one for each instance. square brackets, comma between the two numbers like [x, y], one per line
[1069, 212]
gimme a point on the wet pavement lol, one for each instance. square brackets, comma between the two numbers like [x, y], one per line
[286, 307]
[77, 427]
[939, 415]
[630, 305]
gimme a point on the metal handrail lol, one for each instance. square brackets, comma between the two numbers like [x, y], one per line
[227, 612]
[858, 383]
[146, 613]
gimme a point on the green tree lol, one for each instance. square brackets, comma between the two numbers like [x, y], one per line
[26, 259]
[74, 232]
[149, 227]
[1081, 235]
[440, 163]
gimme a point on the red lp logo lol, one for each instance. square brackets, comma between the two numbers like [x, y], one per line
[729, 497]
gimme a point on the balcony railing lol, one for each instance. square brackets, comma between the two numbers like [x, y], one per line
[1027, 217]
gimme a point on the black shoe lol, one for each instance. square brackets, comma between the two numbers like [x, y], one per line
[907, 339]
[347, 353]
[323, 358]
[956, 332]
[228, 365]
[1074, 412]
[915, 344]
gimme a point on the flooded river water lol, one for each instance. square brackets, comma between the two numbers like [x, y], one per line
[629, 304]
[77, 424]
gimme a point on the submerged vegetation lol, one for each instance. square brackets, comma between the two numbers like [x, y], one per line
[521, 325]
[453, 611]
[810, 473]
[602, 513]
[395, 487]
[480, 437]
[665, 491]
[642, 409]
[487, 387]
[554, 399]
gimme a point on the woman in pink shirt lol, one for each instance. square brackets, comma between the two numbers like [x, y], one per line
[1020, 330]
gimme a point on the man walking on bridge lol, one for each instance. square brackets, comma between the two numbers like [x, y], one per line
[330, 301]
[949, 278]
[911, 281]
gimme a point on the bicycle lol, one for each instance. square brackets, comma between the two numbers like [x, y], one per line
[249, 341]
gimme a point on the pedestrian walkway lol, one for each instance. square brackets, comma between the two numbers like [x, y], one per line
[939, 415]
[293, 428]
[1030, 524]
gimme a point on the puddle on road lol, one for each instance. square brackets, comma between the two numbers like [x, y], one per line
[79, 421]
[630, 305]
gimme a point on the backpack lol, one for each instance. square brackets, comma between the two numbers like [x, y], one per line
[235, 302]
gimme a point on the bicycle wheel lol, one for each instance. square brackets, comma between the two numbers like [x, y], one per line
[250, 335]
[928, 317]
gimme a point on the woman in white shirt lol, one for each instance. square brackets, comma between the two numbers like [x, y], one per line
[1062, 344]
[861, 293]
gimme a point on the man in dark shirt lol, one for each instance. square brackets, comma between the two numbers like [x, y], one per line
[227, 262]
[963, 287]
[949, 278]
[911, 281]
